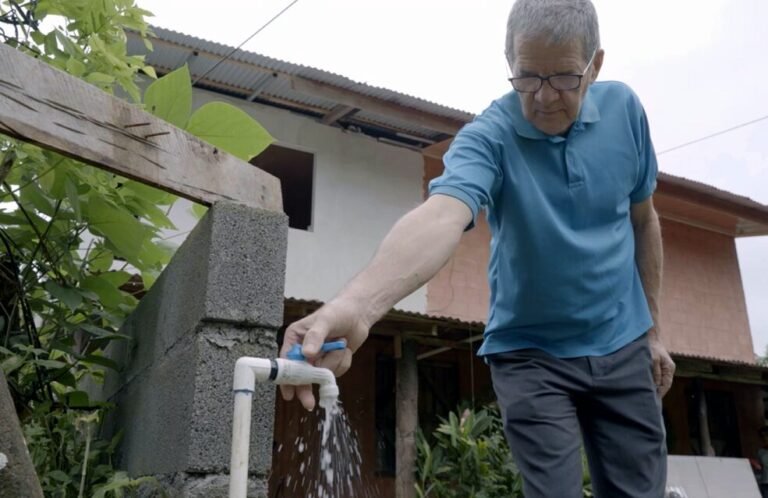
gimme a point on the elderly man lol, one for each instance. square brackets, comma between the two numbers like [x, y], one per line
[565, 170]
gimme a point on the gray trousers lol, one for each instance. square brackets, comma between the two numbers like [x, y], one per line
[550, 406]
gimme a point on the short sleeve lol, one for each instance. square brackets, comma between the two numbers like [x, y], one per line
[472, 172]
[648, 167]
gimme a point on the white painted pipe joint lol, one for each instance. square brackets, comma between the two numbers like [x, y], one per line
[248, 371]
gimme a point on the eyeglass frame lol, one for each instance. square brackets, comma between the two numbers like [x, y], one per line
[542, 79]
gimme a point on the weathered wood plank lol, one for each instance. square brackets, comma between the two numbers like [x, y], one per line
[48, 107]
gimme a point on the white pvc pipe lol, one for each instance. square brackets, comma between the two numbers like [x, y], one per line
[248, 371]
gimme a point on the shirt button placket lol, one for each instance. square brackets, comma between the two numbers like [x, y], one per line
[573, 166]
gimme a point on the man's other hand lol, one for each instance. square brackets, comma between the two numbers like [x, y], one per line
[663, 366]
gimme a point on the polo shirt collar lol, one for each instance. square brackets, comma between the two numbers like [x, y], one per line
[589, 113]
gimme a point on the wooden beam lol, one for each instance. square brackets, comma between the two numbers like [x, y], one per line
[337, 113]
[407, 407]
[451, 345]
[47, 107]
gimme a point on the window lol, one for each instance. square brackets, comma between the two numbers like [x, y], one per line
[294, 169]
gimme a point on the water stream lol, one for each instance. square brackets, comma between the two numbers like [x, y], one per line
[328, 464]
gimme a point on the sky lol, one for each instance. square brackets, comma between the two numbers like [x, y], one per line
[699, 67]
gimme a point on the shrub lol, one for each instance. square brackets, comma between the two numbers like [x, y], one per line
[468, 457]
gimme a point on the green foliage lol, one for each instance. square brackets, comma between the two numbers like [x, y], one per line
[230, 129]
[219, 124]
[763, 360]
[468, 457]
[171, 97]
[77, 243]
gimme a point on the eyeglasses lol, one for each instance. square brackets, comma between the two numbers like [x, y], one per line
[560, 82]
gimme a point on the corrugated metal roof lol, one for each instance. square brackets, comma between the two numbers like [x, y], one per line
[248, 73]
[723, 361]
[453, 322]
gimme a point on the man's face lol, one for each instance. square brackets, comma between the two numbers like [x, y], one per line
[553, 111]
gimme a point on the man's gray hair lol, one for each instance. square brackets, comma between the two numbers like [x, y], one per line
[558, 21]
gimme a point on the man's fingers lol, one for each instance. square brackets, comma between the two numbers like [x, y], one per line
[287, 392]
[314, 339]
[337, 362]
[657, 377]
[667, 367]
[304, 393]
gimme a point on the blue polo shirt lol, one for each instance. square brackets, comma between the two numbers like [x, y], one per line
[562, 269]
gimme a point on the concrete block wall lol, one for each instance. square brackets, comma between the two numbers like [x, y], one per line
[221, 297]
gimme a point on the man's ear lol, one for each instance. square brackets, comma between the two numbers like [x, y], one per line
[597, 64]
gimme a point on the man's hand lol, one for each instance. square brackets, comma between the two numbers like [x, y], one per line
[335, 320]
[663, 366]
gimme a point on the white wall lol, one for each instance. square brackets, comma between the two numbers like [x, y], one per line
[361, 187]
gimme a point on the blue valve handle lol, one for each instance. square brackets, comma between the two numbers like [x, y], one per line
[295, 352]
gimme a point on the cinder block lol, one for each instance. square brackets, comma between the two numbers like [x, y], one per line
[177, 415]
[246, 266]
[231, 268]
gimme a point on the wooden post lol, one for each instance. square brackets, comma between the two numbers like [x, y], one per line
[407, 405]
[17, 474]
[706, 439]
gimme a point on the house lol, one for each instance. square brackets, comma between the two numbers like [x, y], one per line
[354, 158]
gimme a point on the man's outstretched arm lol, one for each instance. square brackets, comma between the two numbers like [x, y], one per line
[418, 245]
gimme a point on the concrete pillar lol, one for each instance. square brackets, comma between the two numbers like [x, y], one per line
[17, 474]
[407, 405]
[221, 297]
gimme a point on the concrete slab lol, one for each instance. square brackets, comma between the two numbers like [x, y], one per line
[711, 477]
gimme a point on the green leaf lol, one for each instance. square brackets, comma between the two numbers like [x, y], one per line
[78, 399]
[70, 297]
[229, 129]
[103, 361]
[100, 333]
[58, 475]
[117, 225]
[198, 210]
[150, 194]
[11, 364]
[12, 218]
[103, 260]
[149, 71]
[73, 197]
[50, 364]
[75, 67]
[108, 293]
[100, 79]
[170, 97]
[32, 195]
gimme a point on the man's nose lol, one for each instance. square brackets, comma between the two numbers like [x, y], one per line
[546, 94]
